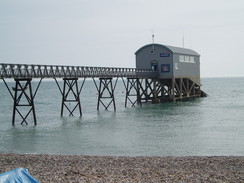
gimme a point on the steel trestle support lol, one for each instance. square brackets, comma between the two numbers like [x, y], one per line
[23, 97]
[70, 94]
[132, 90]
[106, 91]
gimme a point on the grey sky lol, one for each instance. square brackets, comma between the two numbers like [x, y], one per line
[108, 32]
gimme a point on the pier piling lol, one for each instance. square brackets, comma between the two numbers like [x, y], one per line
[106, 92]
[70, 94]
[22, 86]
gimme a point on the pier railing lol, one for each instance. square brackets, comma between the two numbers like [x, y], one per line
[58, 71]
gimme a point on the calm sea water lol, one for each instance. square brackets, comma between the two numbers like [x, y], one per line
[208, 126]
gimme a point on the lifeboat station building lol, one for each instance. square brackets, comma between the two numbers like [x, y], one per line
[177, 70]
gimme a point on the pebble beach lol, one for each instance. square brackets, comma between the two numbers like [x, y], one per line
[78, 168]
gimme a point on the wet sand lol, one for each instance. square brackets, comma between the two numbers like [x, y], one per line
[75, 168]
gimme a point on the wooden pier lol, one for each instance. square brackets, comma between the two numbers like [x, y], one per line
[142, 84]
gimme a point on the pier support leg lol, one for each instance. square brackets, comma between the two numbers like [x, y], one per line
[181, 85]
[150, 90]
[147, 90]
[179, 89]
[155, 92]
[70, 94]
[106, 92]
[173, 90]
[132, 90]
[23, 97]
[165, 87]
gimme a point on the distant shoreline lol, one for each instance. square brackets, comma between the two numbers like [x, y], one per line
[79, 168]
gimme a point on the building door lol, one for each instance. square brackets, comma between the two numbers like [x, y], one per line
[154, 65]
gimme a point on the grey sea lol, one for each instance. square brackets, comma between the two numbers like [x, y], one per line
[211, 126]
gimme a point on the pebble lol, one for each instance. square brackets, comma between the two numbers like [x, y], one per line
[79, 168]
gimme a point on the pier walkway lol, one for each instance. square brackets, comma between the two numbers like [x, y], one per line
[24, 73]
[140, 85]
[58, 71]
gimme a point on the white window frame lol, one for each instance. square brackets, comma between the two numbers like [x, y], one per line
[186, 59]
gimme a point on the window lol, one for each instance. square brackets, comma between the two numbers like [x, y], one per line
[182, 58]
[186, 59]
[192, 59]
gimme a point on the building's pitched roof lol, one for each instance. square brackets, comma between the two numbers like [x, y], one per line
[173, 49]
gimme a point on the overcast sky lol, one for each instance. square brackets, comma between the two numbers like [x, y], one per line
[108, 32]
